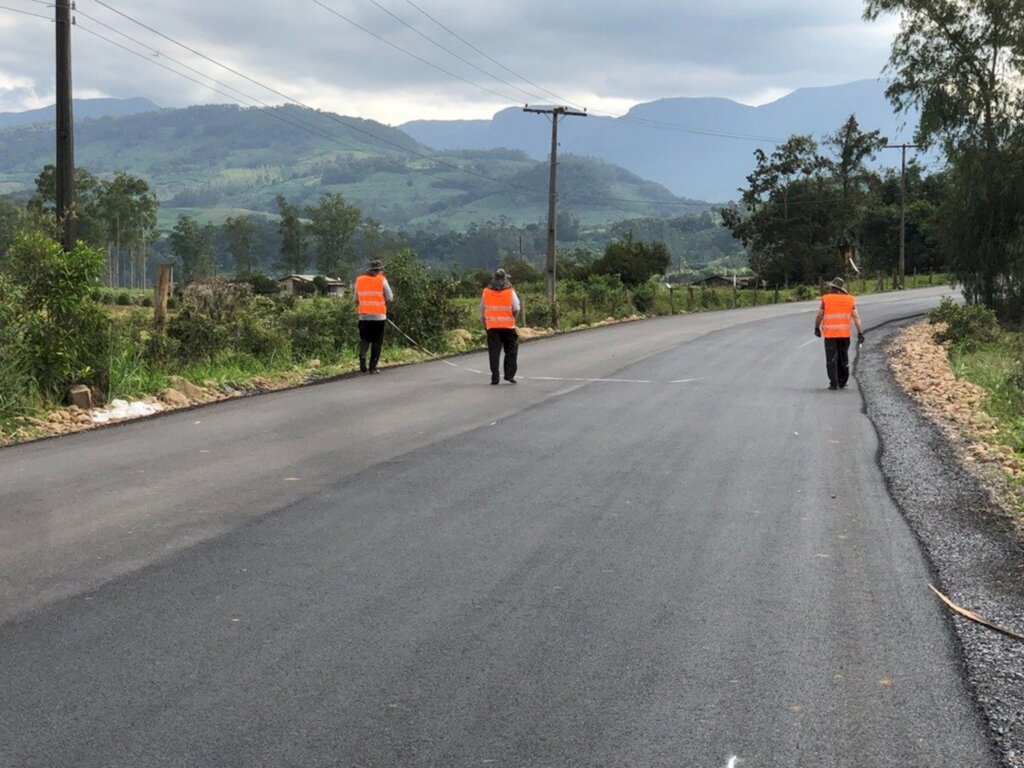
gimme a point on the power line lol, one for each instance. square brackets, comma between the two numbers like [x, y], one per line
[689, 129]
[597, 113]
[490, 58]
[27, 13]
[451, 52]
[305, 125]
[413, 55]
[328, 115]
[296, 122]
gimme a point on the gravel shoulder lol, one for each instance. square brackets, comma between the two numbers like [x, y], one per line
[952, 492]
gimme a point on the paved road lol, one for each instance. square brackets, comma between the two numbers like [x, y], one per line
[668, 545]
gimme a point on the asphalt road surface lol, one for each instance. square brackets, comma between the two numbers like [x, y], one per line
[668, 545]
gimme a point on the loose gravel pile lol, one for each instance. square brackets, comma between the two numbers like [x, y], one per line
[951, 502]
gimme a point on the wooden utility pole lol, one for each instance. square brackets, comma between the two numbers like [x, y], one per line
[65, 171]
[903, 207]
[556, 114]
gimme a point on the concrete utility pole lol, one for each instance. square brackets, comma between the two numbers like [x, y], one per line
[903, 207]
[65, 175]
[556, 114]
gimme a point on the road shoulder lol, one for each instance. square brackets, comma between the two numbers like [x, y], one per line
[972, 543]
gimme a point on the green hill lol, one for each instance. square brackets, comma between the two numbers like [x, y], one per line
[226, 159]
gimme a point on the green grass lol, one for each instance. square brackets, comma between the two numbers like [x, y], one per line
[998, 369]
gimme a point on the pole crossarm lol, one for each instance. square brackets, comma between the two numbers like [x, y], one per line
[556, 112]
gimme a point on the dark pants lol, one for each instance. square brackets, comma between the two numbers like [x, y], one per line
[371, 336]
[837, 361]
[497, 340]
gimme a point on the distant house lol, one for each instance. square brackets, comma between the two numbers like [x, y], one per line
[305, 285]
[741, 281]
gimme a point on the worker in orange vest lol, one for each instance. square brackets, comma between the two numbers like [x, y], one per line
[837, 309]
[372, 296]
[499, 306]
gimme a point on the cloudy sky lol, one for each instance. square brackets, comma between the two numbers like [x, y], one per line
[400, 60]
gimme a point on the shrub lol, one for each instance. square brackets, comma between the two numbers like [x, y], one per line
[262, 285]
[966, 326]
[15, 355]
[123, 299]
[217, 315]
[320, 328]
[64, 331]
[424, 305]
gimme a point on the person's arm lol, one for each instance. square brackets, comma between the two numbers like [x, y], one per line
[818, 319]
[516, 305]
[856, 321]
[483, 312]
[388, 295]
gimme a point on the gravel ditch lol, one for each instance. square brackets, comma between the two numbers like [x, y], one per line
[973, 546]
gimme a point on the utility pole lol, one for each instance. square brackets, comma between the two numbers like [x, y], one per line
[903, 207]
[556, 114]
[65, 171]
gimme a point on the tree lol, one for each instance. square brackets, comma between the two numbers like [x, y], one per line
[89, 225]
[240, 232]
[633, 262]
[293, 243]
[852, 147]
[372, 241]
[194, 246]
[961, 64]
[12, 219]
[113, 214]
[127, 208]
[787, 219]
[333, 222]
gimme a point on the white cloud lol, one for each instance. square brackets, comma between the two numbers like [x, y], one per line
[605, 55]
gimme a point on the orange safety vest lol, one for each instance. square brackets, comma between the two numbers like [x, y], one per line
[370, 294]
[835, 323]
[498, 309]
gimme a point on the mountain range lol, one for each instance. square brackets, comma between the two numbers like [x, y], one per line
[662, 159]
[698, 148]
[82, 109]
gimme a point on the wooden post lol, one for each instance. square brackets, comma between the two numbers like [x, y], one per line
[672, 298]
[161, 292]
[775, 299]
[734, 295]
[654, 299]
[689, 298]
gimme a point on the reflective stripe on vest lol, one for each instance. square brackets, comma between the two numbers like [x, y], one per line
[835, 323]
[498, 309]
[370, 295]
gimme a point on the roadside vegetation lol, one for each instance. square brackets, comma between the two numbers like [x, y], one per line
[991, 357]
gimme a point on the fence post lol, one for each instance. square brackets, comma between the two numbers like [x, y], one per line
[161, 291]
[689, 298]
[734, 295]
[672, 298]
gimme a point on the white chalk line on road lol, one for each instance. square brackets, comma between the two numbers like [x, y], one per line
[609, 381]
